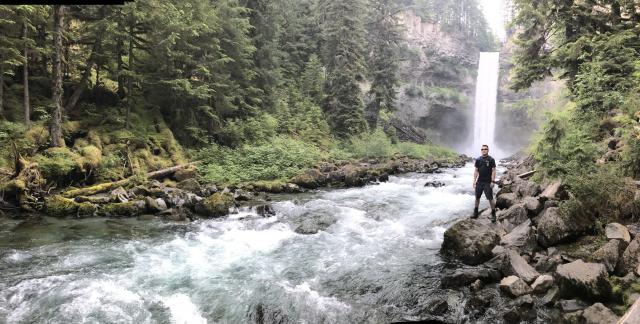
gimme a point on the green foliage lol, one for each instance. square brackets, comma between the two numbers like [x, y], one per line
[597, 192]
[566, 143]
[283, 157]
[631, 154]
[58, 163]
[425, 151]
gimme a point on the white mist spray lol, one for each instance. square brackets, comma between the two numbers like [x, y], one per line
[484, 121]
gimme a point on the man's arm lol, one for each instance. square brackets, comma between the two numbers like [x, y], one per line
[493, 176]
[475, 177]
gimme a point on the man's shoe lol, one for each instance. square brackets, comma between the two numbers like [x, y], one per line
[475, 213]
[493, 215]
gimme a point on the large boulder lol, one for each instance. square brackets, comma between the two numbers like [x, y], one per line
[630, 257]
[599, 314]
[518, 266]
[617, 231]
[551, 191]
[506, 200]
[523, 237]
[588, 281]
[315, 223]
[514, 286]
[471, 241]
[532, 205]
[555, 227]
[634, 230]
[310, 179]
[609, 254]
[512, 217]
[525, 188]
[215, 205]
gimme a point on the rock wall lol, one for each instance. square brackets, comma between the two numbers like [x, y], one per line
[437, 80]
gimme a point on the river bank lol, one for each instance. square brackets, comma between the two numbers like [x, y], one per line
[179, 195]
[538, 264]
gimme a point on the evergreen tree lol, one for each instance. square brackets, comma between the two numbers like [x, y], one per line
[384, 36]
[344, 42]
[55, 127]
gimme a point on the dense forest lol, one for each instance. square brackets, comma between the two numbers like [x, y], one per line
[99, 93]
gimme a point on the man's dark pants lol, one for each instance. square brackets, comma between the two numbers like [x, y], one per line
[484, 187]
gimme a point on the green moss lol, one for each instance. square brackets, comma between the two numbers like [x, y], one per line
[275, 186]
[218, 204]
[58, 206]
[57, 163]
[131, 208]
[92, 156]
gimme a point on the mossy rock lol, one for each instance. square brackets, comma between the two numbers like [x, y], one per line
[126, 209]
[269, 186]
[216, 205]
[92, 156]
[37, 135]
[13, 190]
[58, 206]
[58, 163]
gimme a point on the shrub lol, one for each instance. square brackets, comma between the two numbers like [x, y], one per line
[284, 157]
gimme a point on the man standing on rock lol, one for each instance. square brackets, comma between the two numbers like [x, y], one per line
[483, 179]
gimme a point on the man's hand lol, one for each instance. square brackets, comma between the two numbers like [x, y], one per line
[474, 186]
[492, 183]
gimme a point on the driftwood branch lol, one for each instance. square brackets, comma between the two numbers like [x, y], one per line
[111, 185]
[526, 174]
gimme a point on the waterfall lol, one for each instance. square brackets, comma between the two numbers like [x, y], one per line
[484, 120]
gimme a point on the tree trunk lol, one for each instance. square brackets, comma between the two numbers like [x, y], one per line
[73, 100]
[1, 88]
[130, 79]
[42, 41]
[56, 117]
[25, 77]
[119, 65]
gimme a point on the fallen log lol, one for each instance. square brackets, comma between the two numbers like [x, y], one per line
[88, 191]
[526, 174]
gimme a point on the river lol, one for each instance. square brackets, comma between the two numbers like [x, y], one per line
[377, 263]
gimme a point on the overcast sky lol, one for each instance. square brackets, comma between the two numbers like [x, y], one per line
[493, 11]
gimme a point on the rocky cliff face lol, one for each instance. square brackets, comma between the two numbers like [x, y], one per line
[438, 80]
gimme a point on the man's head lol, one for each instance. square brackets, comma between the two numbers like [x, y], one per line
[485, 150]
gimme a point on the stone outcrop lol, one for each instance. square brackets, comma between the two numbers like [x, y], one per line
[471, 241]
[506, 200]
[518, 266]
[523, 237]
[555, 227]
[599, 314]
[630, 258]
[609, 254]
[512, 217]
[542, 284]
[585, 280]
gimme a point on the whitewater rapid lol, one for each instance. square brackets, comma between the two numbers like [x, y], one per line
[373, 265]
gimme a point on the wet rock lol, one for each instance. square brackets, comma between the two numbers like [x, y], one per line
[480, 301]
[383, 177]
[609, 254]
[572, 305]
[542, 284]
[506, 200]
[522, 237]
[525, 301]
[513, 217]
[434, 184]
[315, 223]
[630, 258]
[551, 296]
[172, 214]
[436, 306]
[555, 227]
[599, 314]
[146, 217]
[471, 241]
[547, 264]
[242, 195]
[292, 188]
[532, 205]
[519, 267]
[514, 286]
[209, 190]
[152, 205]
[585, 280]
[466, 276]
[216, 205]
[477, 285]
[119, 195]
[498, 250]
[617, 231]
[265, 210]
